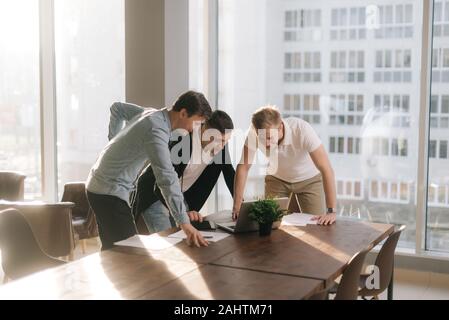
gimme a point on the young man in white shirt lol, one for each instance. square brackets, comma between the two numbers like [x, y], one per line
[298, 164]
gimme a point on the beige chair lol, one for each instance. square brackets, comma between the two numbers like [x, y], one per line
[11, 186]
[51, 224]
[293, 204]
[349, 284]
[83, 217]
[385, 264]
[21, 253]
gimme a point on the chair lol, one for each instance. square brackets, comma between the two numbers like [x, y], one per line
[51, 224]
[385, 264]
[83, 217]
[293, 204]
[349, 283]
[11, 186]
[21, 253]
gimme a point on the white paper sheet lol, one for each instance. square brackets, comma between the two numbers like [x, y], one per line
[151, 242]
[298, 219]
[208, 235]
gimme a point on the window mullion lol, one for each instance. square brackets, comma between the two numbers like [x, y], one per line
[424, 114]
[48, 100]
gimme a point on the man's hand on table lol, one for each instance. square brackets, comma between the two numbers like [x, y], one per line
[195, 216]
[325, 219]
[194, 237]
[235, 212]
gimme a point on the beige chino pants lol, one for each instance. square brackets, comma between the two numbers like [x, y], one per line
[307, 194]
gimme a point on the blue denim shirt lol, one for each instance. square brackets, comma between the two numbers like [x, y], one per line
[142, 142]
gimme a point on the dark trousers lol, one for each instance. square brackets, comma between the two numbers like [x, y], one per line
[114, 218]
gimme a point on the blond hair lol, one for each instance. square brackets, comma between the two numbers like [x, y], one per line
[266, 117]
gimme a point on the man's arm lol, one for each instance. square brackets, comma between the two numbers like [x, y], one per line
[228, 171]
[168, 182]
[241, 176]
[321, 161]
[121, 114]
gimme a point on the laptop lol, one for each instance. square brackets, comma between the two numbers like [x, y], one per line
[243, 222]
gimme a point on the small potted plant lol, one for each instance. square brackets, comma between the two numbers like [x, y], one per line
[266, 212]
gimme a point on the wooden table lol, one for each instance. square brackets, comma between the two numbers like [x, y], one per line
[293, 263]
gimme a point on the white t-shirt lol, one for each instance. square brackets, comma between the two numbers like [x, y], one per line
[195, 168]
[290, 160]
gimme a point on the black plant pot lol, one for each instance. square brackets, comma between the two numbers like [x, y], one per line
[265, 229]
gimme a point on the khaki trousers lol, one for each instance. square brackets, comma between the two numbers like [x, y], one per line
[306, 196]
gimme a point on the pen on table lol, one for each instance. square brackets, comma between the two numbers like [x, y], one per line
[207, 237]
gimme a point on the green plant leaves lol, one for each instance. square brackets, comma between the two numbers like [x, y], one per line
[266, 211]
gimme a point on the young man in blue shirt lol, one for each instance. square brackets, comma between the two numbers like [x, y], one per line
[144, 141]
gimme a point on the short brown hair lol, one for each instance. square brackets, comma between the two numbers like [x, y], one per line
[194, 103]
[265, 117]
[220, 120]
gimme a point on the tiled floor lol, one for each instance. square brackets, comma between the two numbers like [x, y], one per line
[409, 284]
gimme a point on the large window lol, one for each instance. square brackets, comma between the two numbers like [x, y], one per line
[352, 70]
[90, 59]
[20, 143]
[89, 68]
[438, 186]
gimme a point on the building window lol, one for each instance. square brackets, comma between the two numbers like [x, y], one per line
[439, 111]
[395, 22]
[438, 149]
[302, 25]
[393, 66]
[389, 191]
[341, 145]
[306, 107]
[345, 145]
[348, 23]
[347, 66]
[392, 110]
[443, 149]
[432, 149]
[441, 19]
[440, 65]
[395, 147]
[438, 195]
[346, 109]
[302, 67]
[349, 189]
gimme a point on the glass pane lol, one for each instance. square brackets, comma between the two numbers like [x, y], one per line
[90, 64]
[20, 143]
[437, 233]
[382, 71]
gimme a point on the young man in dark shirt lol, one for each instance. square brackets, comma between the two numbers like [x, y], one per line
[198, 161]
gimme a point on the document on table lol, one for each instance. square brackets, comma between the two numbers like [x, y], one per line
[151, 242]
[208, 235]
[298, 219]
